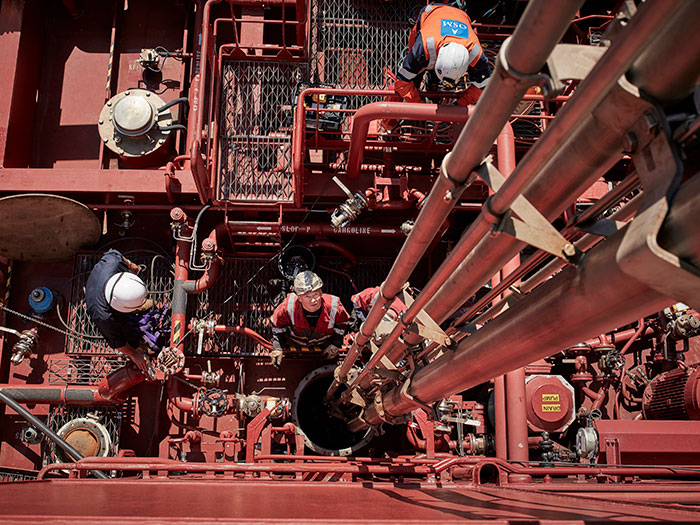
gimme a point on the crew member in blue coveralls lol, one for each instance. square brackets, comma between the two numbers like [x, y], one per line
[308, 317]
[442, 44]
[112, 292]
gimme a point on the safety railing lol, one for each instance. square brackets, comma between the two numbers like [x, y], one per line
[242, 128]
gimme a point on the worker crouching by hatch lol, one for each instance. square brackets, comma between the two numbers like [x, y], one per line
[113, 292]
[308, 317]
[442, 46]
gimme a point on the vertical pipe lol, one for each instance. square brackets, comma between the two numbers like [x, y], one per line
[499, 401]
[179, 301]
[517, 419]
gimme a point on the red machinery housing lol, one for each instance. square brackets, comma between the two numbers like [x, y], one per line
[543, 241]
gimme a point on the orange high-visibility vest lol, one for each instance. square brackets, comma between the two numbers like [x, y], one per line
[290, 315]
[440, 25]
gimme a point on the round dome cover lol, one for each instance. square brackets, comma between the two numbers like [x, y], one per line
[44, 228]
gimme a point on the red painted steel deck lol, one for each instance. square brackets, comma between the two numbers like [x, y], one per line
[191, 501]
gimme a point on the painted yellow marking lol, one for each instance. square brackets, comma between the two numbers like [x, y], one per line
[551, 408]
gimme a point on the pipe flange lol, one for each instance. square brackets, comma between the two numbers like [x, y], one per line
[130, 123]
[170, 361]
[87, 435]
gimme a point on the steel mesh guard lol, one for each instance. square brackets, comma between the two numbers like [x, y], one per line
[83, 370]
[10, 475]
[247, 291]
[256, 130]
[355, 42]
[78, 320]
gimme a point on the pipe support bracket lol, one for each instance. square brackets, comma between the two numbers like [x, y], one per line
[531, 226]
[528, 79]
[640, 256]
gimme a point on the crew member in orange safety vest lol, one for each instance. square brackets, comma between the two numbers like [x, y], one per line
[444, 44]
[308, 317]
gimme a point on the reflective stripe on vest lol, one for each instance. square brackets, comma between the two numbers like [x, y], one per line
[474, 54]
[290, 308]
[334, 310]
[408, 75]
[432, 53]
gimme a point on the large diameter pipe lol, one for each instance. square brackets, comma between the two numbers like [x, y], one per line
[670, 55]
[594, 147]
[526, 56]
[597, 295]
[590, 148]
[39, 425]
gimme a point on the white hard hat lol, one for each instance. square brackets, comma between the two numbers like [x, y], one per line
[452, 62]
[125, 292]
[306, 282]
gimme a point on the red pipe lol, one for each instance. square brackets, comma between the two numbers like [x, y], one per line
[196, 115]
[207, 280]
[245, 331]
[179, 300]
[113, 386]
[517, 418]
[56, 395]
[395, 110]
[299, 132]
[499, 399]
[184, 404]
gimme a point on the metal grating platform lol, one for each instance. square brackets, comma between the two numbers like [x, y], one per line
[83, 370]
[256, 135]
[78, 320]
[245, 296]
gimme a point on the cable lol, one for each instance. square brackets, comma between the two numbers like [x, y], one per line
[110, 243]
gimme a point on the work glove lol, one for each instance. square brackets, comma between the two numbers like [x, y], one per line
[276, 358]
[331, 352]
[144, 364]
[389, 124]
[470, 96]
[147, 305]
[408, 91]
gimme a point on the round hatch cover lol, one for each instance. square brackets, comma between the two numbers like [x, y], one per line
[44, 228]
